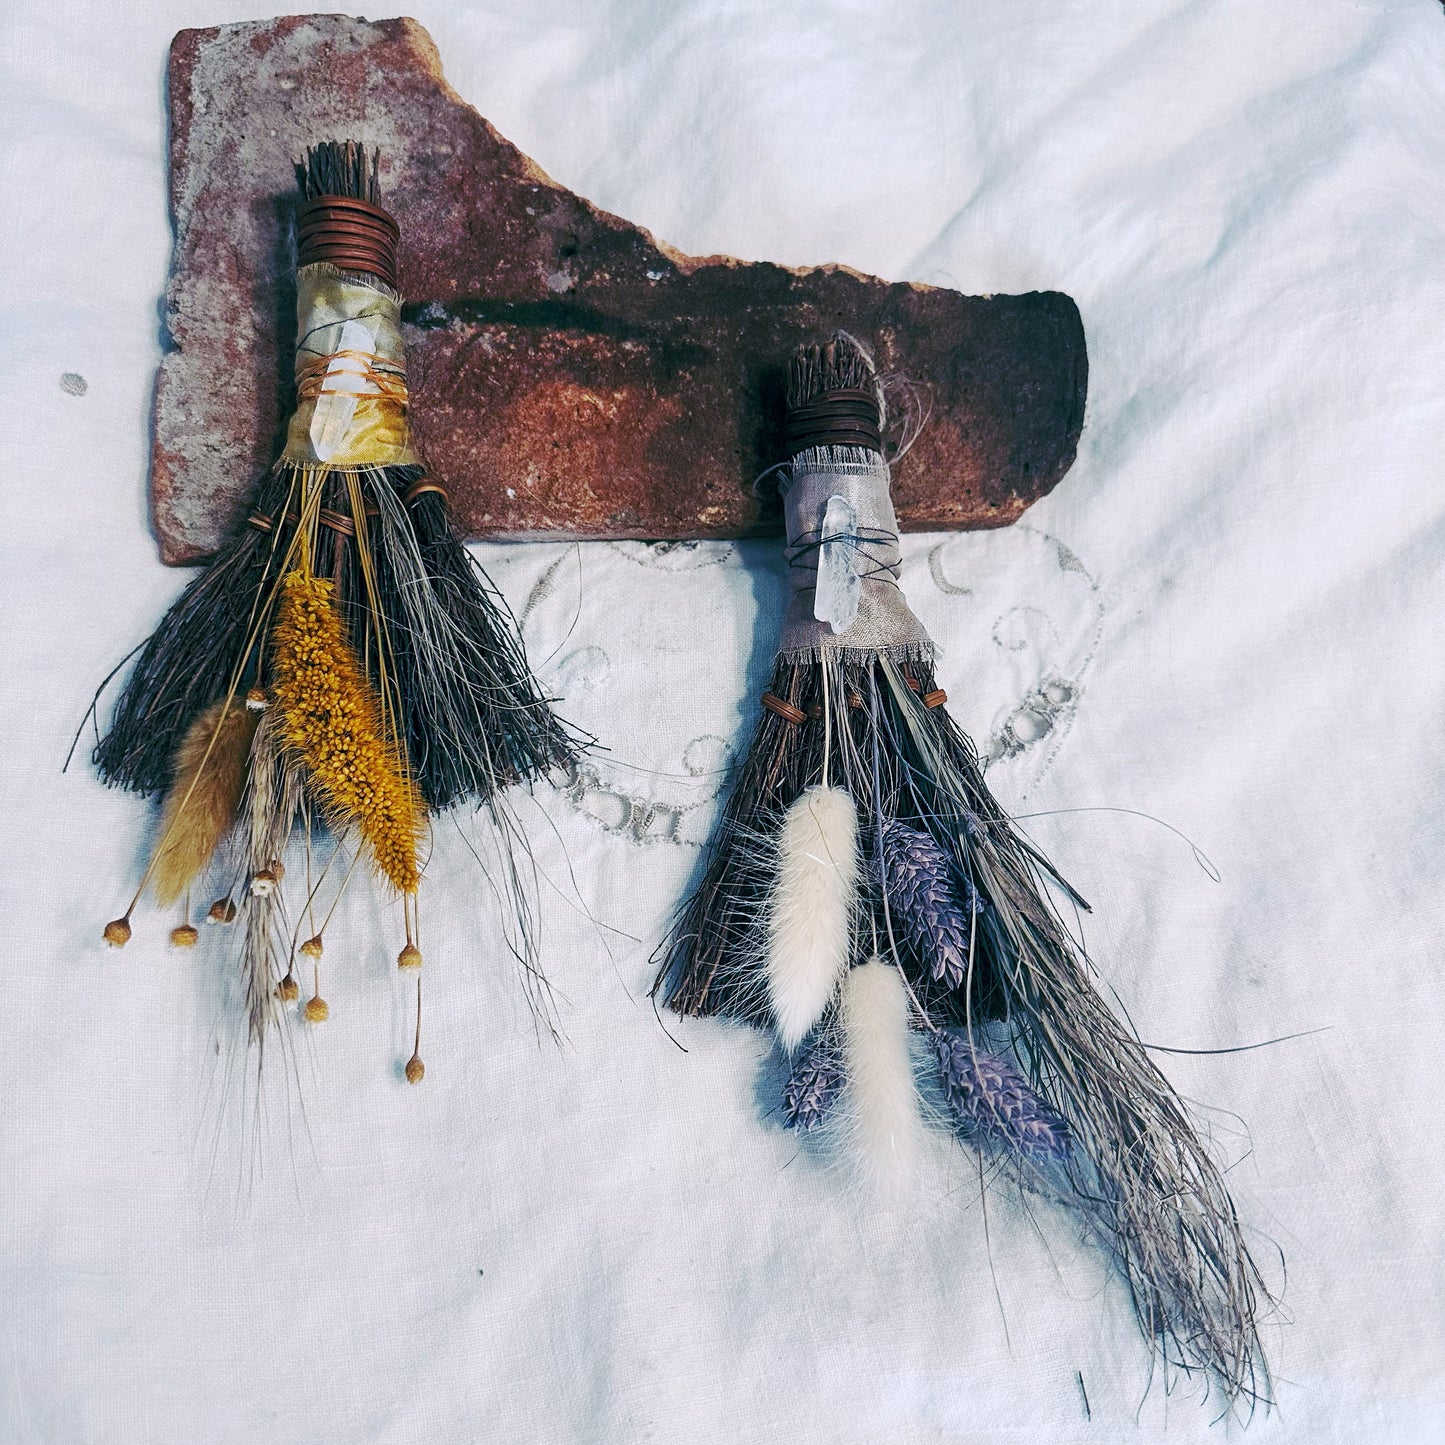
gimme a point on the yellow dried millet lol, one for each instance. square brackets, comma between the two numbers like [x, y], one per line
[332, 720]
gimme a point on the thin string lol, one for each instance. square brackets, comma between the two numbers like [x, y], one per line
[802, 555]
[389, 380]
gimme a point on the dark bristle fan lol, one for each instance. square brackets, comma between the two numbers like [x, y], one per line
[867, 899]
[342, 669]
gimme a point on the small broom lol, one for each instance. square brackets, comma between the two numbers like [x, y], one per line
[343, 661]
[863, 887]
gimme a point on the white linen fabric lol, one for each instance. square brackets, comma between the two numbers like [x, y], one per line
[1226, 617]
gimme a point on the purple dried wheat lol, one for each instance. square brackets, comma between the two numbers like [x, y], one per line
[993, 1099]
[814, 1084]
[933, 905]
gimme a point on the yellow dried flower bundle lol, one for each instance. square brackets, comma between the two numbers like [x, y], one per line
[331, 719]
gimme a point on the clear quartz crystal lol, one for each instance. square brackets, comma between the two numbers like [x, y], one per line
[345, 381]
[839, 587]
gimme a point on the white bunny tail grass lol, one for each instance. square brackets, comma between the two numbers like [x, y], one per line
[810, 909]
[883, 1118]
[1038, 1068]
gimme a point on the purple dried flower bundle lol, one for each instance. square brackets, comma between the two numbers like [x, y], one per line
[992, 1098]
[933, 905]
[812, 1088]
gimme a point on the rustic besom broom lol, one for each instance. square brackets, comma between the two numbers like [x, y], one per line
[343, 667]
[864, 893]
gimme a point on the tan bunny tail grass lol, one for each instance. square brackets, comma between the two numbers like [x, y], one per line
[210, 775]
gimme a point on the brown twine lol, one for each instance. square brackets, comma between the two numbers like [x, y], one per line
[784, 710]
[789, 713]
[335, 521]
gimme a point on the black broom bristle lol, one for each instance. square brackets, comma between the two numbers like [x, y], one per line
[339, 168]
[473, 717]
[505, 730]
[196, 655]
[1137, 1168]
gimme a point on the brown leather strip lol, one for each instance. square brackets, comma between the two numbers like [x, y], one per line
[936, 698]
[336, 521]
[846, 417]
[260, 521]
[784, 710]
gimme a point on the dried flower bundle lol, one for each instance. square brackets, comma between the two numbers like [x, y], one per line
[952, 927]
[813, 1087]
[343, 667]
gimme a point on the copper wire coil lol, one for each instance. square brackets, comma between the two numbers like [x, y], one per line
[340, 236]
[380, 264]
[328, 227]
[349, 234]
[343, 205]
[376, 263]
[420, 489]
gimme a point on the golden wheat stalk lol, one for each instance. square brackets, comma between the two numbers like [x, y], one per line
[209, 777]
[331, 718]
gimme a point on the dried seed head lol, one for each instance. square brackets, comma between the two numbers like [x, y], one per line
[312, 947]
[409, 957]
[812, 1088]
[995, 1102]
[278, 868]
[117, 932]
[263, 884]
[415, 1070]
[316, 1010]
[288, 990]
[256, 699]
[184, 936]
[222, 911]
[934, 903]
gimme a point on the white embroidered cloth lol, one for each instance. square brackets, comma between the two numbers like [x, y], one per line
[1227, 616]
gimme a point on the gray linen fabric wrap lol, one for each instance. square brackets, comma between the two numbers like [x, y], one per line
[884, 622]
